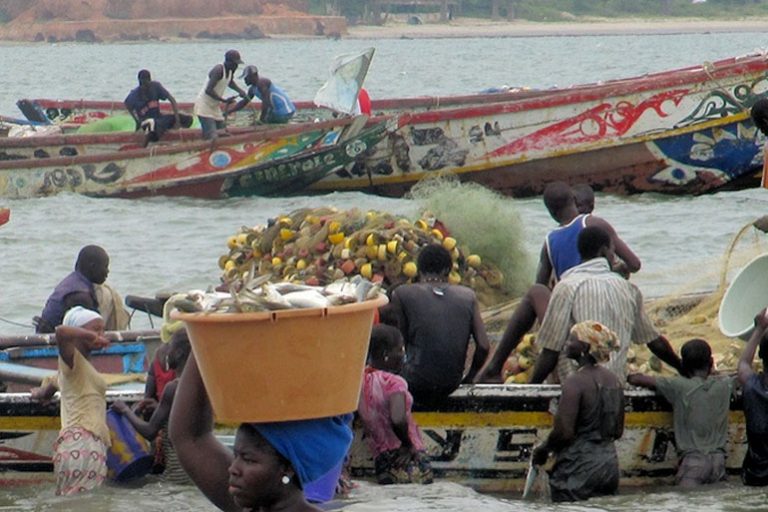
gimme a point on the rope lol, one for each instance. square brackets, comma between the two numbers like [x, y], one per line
[16, 323]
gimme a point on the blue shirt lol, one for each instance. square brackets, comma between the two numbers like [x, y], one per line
[563, 247]
[282, 106]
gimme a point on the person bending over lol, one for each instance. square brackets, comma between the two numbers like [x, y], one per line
[276, 107]
[156, 429]
[559, 253]
[700, 404]
[208, 103]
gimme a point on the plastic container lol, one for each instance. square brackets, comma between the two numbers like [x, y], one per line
[745, 297]
[130, 455]
[282, 365]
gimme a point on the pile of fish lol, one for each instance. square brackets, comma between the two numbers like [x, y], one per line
[257, 293]
[320, 246]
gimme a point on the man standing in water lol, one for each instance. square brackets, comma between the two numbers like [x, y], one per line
[700, 404]
[754, 385]
[207, 105]
[590, 417]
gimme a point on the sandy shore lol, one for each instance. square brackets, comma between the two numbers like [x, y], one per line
[466, 27]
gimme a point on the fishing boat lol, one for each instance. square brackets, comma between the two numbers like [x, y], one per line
[481, 437]
[684, 131]
[255, 161]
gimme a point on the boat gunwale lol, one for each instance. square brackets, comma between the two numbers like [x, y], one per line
[173, 148]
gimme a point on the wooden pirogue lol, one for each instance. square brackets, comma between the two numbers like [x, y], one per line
[682, 131]
[481, 437]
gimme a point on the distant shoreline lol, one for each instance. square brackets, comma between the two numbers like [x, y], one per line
[472, 27]
[306, 27]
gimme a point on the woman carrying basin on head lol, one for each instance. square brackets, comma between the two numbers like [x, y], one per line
[270, 463]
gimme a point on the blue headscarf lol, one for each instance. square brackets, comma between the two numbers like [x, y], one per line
[313, 447]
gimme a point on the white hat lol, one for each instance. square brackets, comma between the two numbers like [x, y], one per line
[78, 316]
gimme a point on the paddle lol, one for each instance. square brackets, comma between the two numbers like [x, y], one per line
[530, 480]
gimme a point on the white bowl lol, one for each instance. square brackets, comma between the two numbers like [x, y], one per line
[745, 297]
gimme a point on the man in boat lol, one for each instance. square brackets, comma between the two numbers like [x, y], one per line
[592, 291]
[700, 405]
[209, 100]
[143, 103]
[276, 107]
[558, 254]
[589, 419]
[437, 320]
[85, 287]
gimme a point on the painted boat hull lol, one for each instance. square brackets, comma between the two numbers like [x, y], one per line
[482, 436]
[685, 131]
[680, 132]
[276, 161]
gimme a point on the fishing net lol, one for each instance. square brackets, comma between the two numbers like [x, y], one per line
[690, 313]
[486, 221]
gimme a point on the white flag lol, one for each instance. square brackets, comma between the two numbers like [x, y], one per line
[347, 75]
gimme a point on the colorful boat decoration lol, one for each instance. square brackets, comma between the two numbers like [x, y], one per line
[685, 131]
[481, 437]
[257, 161]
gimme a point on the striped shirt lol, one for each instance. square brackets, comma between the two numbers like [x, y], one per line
[591, 291]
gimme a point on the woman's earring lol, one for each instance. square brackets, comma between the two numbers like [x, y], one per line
[286, 480]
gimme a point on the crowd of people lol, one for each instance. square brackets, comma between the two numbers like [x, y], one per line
[428, 340]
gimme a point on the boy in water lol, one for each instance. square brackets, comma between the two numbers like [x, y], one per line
[700, 404]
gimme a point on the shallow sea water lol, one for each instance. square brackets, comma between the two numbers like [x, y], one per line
[441, 496]
[172, 244]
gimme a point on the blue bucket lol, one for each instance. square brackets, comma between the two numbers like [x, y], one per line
[130, 455]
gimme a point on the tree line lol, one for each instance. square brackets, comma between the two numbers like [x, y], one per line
[376, 11]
